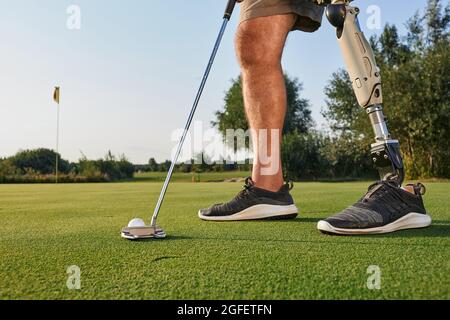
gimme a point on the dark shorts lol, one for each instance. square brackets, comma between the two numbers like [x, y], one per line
[309, 15]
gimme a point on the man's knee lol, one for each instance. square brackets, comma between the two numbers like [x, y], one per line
[256, 46]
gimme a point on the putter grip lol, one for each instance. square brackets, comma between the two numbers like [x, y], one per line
[229, 10]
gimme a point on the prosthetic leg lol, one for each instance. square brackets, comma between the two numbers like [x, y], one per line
[387, 206]
[366, 80]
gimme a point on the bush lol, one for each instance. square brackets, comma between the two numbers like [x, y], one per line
[347, 158]
[7, 169]
[301, 156]
[109, 168]
[40, 160]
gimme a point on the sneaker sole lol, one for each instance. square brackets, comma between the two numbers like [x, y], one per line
[258, 212]
[410, 221]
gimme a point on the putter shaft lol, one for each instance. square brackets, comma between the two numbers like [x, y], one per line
[190, 118]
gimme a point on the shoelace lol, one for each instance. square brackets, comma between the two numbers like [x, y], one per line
[382, 195]
[375, 187]
[246, 188]
[249, 184]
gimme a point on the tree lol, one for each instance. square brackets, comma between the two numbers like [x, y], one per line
[298, 115]
[163, 167]
[342, 111]
[233, 116]
[153, 165]
[125, 167]
[200, 162]
[437, 21]
[394, 52]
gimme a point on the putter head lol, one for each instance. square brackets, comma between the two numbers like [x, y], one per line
[139, 233]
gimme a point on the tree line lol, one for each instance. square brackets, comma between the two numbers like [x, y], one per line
[196, 165]
[38, 166]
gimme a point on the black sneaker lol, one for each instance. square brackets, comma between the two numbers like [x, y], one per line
[254, 203]
[385, 208]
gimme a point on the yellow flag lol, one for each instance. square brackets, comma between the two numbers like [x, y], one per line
[56, 95]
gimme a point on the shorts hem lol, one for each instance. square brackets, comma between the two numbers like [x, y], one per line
[302, 13]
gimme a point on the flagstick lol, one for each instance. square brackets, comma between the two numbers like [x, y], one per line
[57, 143]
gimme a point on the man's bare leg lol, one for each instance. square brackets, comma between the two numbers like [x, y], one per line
[259, 47]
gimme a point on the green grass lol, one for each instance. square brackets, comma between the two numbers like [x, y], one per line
[46, 228]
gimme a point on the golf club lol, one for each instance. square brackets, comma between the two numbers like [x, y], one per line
[137, 229]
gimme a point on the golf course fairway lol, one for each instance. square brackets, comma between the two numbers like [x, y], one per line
[47, 228]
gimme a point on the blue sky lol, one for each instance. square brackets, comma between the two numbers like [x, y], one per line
[129, 75]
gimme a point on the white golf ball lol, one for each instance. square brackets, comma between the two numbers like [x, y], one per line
[136, 222]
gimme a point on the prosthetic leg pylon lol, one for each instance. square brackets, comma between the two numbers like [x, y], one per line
[366, 81]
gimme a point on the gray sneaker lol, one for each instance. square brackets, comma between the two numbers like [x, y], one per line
[385, 208]
[253, 203]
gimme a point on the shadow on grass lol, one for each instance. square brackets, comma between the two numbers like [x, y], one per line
[442, 225]
[168, 238]
[435, 230]
[439, 228]
[166, 258]
[307, 219]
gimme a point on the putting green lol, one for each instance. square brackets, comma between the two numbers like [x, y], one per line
[47, 228]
